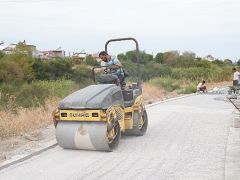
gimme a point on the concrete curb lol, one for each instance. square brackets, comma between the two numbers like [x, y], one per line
[170, 99]
[38, 151]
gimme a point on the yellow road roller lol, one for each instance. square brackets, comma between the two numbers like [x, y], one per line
[95, 117]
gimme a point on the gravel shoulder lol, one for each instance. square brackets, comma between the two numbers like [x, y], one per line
[14, 148]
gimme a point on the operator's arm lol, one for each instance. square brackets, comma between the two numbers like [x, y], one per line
[116, 64]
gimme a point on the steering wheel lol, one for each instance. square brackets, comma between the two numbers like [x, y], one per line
[107, 70]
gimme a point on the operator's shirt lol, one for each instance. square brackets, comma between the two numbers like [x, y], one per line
[236, 75]
[115, 61]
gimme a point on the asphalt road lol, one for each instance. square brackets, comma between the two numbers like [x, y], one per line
[186, 139]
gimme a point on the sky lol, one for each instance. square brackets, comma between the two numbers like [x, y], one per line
[201, 26]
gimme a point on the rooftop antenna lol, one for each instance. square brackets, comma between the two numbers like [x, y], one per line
[58, 48]
[82, 51]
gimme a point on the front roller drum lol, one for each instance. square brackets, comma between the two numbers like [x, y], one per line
[87, 135]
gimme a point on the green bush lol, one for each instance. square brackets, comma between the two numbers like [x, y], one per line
[148, 71]
[191, 88]
[131, 68]
[59, 69]
[193, 73]
[122, 57]
[1, 54]
[16, 67]
[82, 75]
[218, 74]
[204, 64]
[144, 58]
[58, 88]
[10, 71]
[168, 83]
[34, 94]
[28, 82]
[91, 61]
[153, 70]
[52, 69]
[31, 95]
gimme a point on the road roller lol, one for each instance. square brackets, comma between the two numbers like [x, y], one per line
[95, 117]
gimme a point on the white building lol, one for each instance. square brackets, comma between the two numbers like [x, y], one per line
[79, 55]
[11, 49]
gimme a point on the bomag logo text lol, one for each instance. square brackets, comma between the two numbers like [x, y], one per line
[81, 114]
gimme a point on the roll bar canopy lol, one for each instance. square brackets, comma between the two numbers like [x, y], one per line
[137, 52]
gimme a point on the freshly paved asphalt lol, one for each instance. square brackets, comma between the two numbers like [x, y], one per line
[186, 139]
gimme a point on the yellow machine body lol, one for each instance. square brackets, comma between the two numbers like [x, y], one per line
[124, 115]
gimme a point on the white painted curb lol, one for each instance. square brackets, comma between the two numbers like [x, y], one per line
[38, 151]
[167, 100]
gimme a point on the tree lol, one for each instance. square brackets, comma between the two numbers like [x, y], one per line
[228, 61]
[91, 61]
[54, 69]
[159, 58]
[238, 62]
[143, 57]
[218, 62]
[146, 58]
[189, 55]
[39, 70]
[10, 72]
[187, 59]
[198, 58]
[170, 58]
[204, 63]
[23, 61]
[22, 48]
[81, 74]
[1, 54]
[122, 57]
[131, 55]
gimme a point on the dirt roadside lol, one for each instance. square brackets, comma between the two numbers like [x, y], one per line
[17, 146]
[152, 94]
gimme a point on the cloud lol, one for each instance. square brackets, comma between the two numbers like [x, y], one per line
[198, 25]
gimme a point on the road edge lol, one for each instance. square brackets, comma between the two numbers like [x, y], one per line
[170, 99]
[36, 152]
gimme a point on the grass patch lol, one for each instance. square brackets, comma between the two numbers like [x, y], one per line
[191, 88]
[29, 95]
[167, 84]
[26, 120]
[181, 86]
[29, 106]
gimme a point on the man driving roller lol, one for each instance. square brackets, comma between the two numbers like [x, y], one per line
[114, 65]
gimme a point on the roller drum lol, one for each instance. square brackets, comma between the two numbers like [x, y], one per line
[85, 135]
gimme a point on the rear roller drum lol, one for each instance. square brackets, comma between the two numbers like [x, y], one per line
[140, 123]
